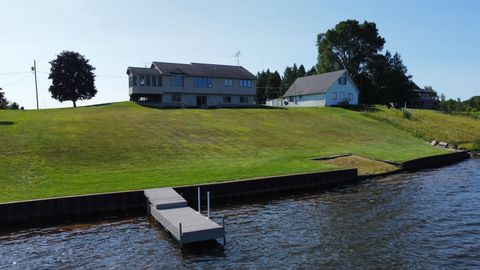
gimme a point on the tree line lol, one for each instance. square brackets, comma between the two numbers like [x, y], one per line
[271, 85]
[6, 104]
[451, 105]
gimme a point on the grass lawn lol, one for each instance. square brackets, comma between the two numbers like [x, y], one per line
[461, 130]
[125, 146]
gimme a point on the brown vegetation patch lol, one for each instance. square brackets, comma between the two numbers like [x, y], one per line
[365, 166]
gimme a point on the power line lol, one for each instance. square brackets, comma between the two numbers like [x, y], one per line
[21, 79]
[14, 73]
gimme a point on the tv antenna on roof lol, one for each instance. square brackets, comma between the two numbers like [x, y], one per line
[237, 55]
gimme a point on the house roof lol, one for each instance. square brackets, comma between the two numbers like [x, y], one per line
[315, 84]
[143, 71]
[203, 70]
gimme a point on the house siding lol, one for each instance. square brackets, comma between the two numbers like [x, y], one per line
[189, 93]
[342, 91]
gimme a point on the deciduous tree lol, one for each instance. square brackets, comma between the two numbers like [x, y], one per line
[72, 78]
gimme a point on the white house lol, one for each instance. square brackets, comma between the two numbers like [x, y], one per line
[327, 89]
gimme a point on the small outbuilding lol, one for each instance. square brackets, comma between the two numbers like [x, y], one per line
[327, 89]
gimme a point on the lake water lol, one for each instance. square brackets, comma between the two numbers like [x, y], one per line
[427, 220]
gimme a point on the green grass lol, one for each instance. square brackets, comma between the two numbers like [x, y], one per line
[124, 146]
[460, 130]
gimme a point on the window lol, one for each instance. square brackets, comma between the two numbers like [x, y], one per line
[176, 98]
[148, 80]
[243, 99]
[291, 99]
[350, 96]
[227, 99]
[245, 83]
[134, 80]
[334, 95]
[142, 80]
[154, 81]
[300, 96]
[228, 82]
[202, 82]
[342, 81]
[159, 83]
[176, 81]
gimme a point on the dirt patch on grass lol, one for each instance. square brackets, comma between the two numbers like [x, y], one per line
[365, 166]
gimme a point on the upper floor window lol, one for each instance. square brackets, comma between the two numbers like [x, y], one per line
[334, 95]
[202, 82]
[228, 82]
[142, 80]
[176, 81]
[134, 80]
[342, 81]
[148, 80]
[245, 83]
[154, 81]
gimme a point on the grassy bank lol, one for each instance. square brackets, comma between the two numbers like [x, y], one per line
[125, 146]
[460, 130]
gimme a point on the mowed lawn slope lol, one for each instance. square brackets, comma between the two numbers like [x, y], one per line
[125, 146]
[461, 130]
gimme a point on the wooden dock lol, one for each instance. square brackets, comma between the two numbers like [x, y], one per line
[184, 224]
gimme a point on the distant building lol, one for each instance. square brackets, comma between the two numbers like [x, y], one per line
[192, 85]
[327, 89]
[424, 99]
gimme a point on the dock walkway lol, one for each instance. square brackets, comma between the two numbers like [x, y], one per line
[184, 224]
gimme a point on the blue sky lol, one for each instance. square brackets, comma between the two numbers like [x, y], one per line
[438, 40]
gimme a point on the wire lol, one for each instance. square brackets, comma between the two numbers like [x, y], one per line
[21, 79]
[13, 73]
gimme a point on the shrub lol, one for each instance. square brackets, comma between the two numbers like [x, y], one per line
[406, 114]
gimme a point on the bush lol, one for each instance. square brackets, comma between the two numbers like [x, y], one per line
[406, 114]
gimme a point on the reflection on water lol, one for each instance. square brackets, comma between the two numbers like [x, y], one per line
[429, 219]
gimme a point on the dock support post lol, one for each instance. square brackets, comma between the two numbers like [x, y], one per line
[208, 204]
[180, 233]
[198, 191]
[223, 226]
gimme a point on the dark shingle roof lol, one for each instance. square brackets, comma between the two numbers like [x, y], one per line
[144, 71]
[315, 84]
[205, 70]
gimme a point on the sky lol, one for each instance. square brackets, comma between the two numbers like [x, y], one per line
[438, 40]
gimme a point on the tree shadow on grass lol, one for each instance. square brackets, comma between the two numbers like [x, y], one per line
[6, 123]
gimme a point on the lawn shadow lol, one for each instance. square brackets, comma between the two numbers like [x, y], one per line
[362, 108]
[6, 123]
[99, 105]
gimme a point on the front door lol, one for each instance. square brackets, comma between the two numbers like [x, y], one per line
[201, 101]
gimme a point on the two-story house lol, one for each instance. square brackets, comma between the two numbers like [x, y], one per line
[192, 85]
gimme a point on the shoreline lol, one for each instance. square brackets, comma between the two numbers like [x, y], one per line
[94, 207]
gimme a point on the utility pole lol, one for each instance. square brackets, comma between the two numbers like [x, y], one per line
[34, 69]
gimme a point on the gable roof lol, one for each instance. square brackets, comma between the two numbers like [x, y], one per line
[315, 84]
[144, 71]
[204, 70]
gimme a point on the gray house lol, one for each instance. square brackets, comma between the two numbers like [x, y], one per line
[192, 85]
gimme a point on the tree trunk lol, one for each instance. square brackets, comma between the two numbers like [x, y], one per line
[74, 104]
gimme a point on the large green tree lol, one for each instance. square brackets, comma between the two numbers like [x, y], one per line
[72, 78]
[349, 45]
